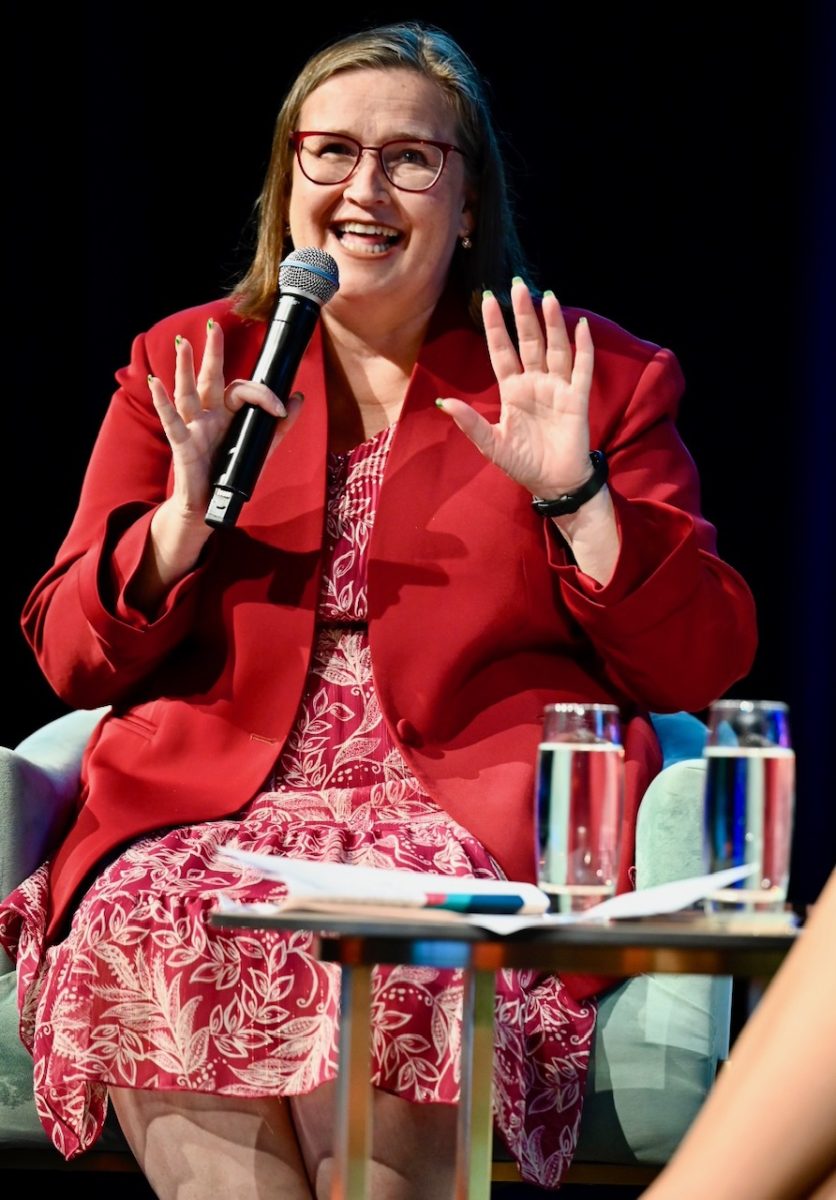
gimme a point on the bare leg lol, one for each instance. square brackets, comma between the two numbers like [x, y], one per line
[191, 1146]
[767, 1128]
[413, 1145]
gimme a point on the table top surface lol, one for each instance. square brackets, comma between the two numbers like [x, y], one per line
[679, 929]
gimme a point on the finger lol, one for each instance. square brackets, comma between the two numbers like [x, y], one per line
[173, 425]
[210, 380]
[584, 364]
[186, 398]
[294, 408]
[247, 391]
[501, 350]
[530, 341]
[558, 347]
[471, 423]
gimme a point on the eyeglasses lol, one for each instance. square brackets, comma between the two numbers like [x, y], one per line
[411, 164]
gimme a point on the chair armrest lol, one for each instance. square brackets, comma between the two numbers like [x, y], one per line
[39, 782]
[58, 746]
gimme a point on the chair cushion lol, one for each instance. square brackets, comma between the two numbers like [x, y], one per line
[34, 806]
[681, 735]
[657, 1045]
[659, 1038]
[19, 1124]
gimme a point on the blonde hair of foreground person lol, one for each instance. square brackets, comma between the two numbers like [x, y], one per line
[768, 1129]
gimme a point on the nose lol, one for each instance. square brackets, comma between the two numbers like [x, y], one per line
[368, 180]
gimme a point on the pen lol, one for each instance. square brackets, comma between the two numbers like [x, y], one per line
[465, 902]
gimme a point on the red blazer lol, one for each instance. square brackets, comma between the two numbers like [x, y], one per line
[477, 615]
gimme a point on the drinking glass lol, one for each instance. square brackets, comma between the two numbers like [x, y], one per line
[749, 802]
[579, 800]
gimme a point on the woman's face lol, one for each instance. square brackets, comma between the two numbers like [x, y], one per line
[393, 248]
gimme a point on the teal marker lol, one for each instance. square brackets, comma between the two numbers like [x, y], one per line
[465, 902]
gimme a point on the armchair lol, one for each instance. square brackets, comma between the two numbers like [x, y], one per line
[658, 1041]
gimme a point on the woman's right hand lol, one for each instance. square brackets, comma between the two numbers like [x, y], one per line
[195, 422]
[197, 419]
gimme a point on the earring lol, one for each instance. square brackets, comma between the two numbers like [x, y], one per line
[466, 243]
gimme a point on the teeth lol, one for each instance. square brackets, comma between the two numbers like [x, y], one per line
[368, 230]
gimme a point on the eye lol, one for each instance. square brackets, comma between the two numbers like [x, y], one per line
[330, 147]
[411, 154]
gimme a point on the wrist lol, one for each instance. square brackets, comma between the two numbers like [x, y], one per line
[567, 503]
[178, 537]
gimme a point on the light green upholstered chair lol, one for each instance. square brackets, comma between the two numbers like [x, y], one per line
[659, 1037]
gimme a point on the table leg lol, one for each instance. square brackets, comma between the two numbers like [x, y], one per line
[474, 1148]
[352, 1134]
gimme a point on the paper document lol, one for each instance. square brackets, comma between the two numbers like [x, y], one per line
[338, 884]
[340, 888]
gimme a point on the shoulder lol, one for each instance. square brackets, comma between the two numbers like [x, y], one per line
[192, 322]
[622, 355]
[153, 351]
[610, 337]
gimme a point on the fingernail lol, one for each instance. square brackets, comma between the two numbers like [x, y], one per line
[177, 340]
[150, 378]
[548, 292]
[209, 323]
[487, 294]
[517, 279]
[440, 403]
[582, 321]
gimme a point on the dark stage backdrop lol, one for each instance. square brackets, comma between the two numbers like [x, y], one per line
[673, 168]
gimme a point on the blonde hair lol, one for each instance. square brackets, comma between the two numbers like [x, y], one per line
[496, 255]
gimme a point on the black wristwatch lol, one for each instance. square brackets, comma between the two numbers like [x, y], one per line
[570, 502]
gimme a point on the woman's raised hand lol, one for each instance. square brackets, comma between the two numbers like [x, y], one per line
[196, 420]
[542, 437]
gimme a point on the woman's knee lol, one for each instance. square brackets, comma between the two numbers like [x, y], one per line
[188, 1143]
[413, 1146]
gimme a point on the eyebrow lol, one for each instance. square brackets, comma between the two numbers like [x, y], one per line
[402, 136]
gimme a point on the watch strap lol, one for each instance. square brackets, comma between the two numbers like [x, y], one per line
[570, 502]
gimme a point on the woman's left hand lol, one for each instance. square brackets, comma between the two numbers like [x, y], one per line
[542, 437]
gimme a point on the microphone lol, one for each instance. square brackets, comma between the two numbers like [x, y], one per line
[308, 278]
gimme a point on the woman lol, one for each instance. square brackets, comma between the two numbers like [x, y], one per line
[357, 671]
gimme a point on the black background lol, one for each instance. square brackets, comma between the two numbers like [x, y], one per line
[674, 171]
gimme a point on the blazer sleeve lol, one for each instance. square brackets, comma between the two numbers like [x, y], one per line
[675, 625]
[90, 644]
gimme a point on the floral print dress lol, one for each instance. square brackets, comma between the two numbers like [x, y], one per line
[144, 993]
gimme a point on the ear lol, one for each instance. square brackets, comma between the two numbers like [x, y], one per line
[468, 218]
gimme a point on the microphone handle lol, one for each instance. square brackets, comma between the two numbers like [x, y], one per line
[243, 451]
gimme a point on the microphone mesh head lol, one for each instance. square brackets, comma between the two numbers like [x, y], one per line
[309, 272]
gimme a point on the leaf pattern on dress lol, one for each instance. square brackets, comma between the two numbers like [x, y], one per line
[144, 992]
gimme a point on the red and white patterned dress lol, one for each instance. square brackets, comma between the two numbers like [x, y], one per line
[144, 993]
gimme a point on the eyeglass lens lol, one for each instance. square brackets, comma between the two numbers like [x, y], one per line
[411, 165]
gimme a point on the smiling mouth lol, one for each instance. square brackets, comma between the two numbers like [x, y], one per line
[370, 239]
